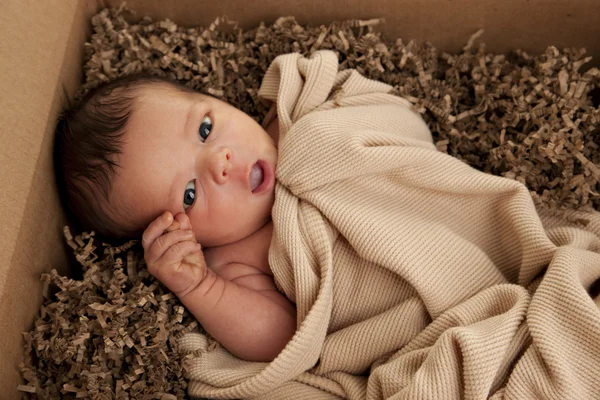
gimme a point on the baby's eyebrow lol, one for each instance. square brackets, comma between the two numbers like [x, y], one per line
[188, 117]
[197, 101]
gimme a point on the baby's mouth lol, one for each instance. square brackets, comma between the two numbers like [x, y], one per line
[256, 176]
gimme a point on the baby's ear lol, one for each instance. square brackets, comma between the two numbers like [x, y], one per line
[183, 220]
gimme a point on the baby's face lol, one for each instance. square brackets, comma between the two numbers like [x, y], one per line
[186, 152]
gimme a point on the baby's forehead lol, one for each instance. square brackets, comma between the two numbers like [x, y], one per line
[157, 100]
[154, 90]
[158, 92]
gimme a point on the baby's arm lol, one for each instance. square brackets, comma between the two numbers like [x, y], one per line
[241, 308]
[247, 315]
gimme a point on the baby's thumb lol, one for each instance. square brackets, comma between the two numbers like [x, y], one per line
[184, 221]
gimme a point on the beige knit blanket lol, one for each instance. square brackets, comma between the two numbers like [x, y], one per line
[414, 275]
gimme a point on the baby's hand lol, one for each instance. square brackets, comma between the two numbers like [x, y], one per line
[172, 253]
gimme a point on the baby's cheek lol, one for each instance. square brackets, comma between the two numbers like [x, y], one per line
[201, 234]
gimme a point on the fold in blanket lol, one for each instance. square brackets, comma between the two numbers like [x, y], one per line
[414, 275]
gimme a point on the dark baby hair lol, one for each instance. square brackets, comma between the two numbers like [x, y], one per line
[88, 140]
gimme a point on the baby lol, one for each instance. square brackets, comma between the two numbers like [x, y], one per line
[195, 177]
[404, 264]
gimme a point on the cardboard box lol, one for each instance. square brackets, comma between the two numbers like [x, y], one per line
[41, 48]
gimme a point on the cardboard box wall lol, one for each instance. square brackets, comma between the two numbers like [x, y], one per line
[41, 52]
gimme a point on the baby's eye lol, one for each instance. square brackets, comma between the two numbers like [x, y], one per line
[189, 195]
[205, 128]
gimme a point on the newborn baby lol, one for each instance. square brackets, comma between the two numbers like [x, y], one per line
[406, 272]
[143, 154]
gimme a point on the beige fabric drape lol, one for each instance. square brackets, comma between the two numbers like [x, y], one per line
[415, 276]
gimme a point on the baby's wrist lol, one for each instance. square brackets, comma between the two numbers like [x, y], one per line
[198, 286]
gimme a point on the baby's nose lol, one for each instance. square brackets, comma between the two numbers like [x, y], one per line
[221, 165]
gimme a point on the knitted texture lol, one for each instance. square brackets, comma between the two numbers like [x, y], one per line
[415, 276]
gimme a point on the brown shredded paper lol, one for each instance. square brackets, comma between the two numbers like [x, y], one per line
[532, 118]
[110, 335]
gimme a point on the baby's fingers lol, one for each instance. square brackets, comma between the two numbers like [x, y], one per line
[155, 229]
[174, 226]
[174, 272]
[164, 243]
[179, 251]
[183, 220]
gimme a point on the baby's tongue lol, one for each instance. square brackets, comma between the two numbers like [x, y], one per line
[256, 177]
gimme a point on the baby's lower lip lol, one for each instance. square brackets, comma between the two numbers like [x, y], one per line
[267, 177]
[256, 176]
